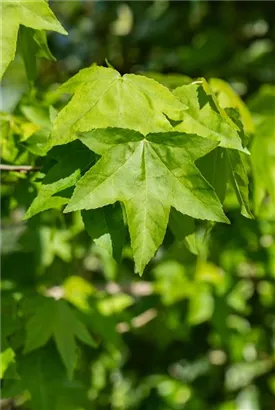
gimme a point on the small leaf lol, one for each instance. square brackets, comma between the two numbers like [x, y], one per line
[227, 97]
[7, 357]
[28, 49]
[33, 14]
[106, 227]
[33, 44]
[240, 182]
[40, 326]
[181, 225]
[57, 319]
[205, 118]
[214, 167]
[61, 176]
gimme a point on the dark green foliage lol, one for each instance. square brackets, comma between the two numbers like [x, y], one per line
[149, 158]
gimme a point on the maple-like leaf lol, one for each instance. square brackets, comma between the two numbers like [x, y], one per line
[34, 14]
[60, 177]
[217, 118]
[205, 117]
[227, 97]
[57, 319]
[149, 175]
[103, 98]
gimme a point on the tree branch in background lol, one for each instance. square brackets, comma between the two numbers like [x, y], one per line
[18, 168]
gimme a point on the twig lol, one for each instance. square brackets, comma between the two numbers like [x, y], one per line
[18, 168]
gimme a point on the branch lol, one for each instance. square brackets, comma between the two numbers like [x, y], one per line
[18, 168]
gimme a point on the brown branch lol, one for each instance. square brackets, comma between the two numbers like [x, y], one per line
[18, 168]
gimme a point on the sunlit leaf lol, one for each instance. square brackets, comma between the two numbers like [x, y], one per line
[102, 98]
[149, 175]
[33, 14]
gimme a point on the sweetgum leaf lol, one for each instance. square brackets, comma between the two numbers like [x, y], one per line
[106, 227]
[227, 161]
[34, 14]
[227, 97]
[57, 319]
[238, 172]
[32, 44]
[43, 376]
[205, 118]
[60, 177]
[149, 175]
[103, 98]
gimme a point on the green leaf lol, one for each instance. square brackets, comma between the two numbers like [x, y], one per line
[181, 225]
[201, 305]
[106, 227]
[28, 48]
[61, 176]
[149, 175]
[214, 167]
[38, 142]
[34, 14]
[240, 181]
[103, 98]
[262, 106]
[33, 44]
[57, 319]
[78, 292]
[170, 80]
[43, 376]
[7, 357]
[205, 118]
[223, 162]
[227, 97]
[40, 325]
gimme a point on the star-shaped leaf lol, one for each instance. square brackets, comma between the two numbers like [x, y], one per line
[103, 98]
[149, 175]
[60, 178]
[34, 14]
[205, 117]
[57, 319]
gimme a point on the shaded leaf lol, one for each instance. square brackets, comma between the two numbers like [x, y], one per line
[214, 167]
[240, 181]
[205, 118]
[56, 319]
[262, 106]
[61, 176]
[227, 97]
[181, 225]
[106, 227]
[33, 44]
[43, 376]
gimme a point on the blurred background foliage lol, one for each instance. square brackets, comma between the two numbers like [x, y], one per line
[198, 331]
